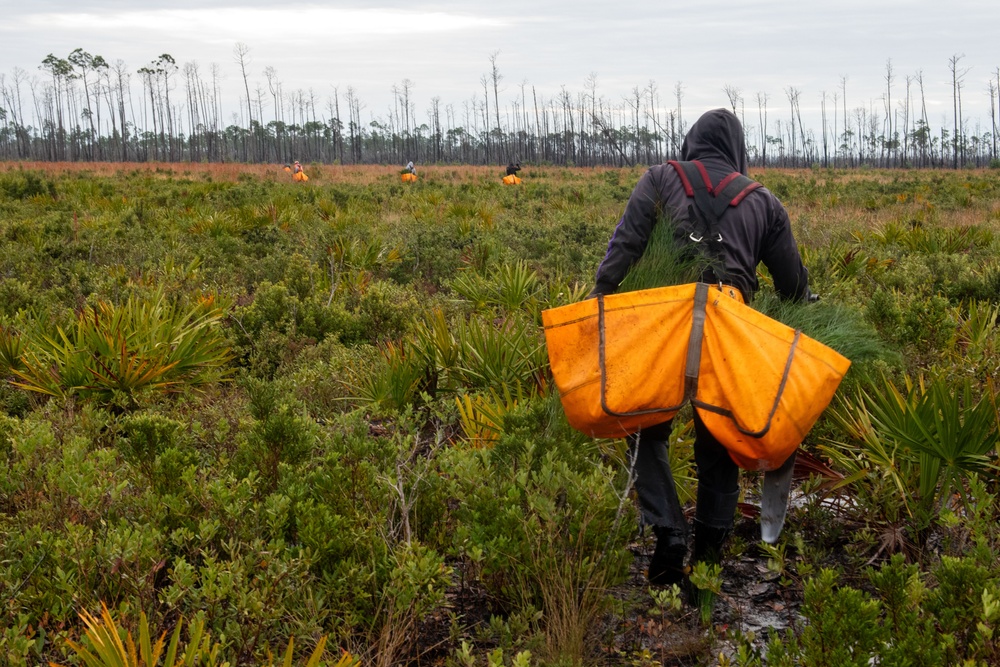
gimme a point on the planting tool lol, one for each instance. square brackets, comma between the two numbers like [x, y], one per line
[774, 499]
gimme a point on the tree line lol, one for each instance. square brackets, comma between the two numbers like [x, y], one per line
[83, 108]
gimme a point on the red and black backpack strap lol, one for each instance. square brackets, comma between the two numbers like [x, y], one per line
[730, 191]
[710, 202]
[734, 187]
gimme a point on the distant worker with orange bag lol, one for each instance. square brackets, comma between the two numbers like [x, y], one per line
[511, 177]
[409, 173]
[750, 226]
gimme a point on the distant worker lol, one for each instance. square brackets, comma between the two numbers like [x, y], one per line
[512, 178]
[409, 174]
[298, 173]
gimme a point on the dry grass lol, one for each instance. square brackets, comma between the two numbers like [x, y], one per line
[231, 172]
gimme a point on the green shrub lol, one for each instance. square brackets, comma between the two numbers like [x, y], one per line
[25, 184]
[385, 311]
[560, 535]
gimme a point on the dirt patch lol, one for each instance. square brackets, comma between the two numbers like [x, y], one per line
[754, 599]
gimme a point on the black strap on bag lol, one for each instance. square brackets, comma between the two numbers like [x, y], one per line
[710, 202]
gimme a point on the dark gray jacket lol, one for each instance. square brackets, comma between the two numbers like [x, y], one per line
[756, 230]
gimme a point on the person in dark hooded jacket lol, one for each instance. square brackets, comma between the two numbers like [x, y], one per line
[756, 230]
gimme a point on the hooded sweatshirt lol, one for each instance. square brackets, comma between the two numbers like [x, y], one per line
[756, 230]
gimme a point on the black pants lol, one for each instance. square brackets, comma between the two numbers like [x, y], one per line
[718, 479]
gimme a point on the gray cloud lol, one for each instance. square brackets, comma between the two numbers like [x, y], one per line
[763, 46]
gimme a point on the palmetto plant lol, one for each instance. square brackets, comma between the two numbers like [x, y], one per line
[496, 355]
[395, 382]
[434, 341]
[473, 288]
[948, 239]
[975, 332]
[482, 415]
[11, 349]
[106, 648]
[478, 355]
[512, 287]
[115, 352]
[352, 263]
[559, 292]
[517, 286]
[927, 438]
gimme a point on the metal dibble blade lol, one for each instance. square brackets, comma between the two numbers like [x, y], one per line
[774, 500]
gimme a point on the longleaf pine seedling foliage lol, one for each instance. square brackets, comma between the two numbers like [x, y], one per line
[250, 421]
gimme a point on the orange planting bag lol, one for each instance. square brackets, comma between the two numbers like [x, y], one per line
[628, 361]
[762, 385]
[511, 179]
[618, 361]
[409, 178]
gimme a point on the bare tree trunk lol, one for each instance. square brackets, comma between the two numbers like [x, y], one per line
[241, 53]
[495, 76]
[538, 128]
[658, 141]
[906, 121]
[994, 98]
[679, 94]
[889, 78]
[843, 89]
[956, 85]
[733, 93]
[793, 95]
[762, 116]
[826, 156]
[836, 98]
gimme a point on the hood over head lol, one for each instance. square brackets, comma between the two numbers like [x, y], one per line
[717, 134]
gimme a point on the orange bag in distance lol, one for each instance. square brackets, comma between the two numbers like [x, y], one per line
[409, 178]
[628, 361]
[511, 179]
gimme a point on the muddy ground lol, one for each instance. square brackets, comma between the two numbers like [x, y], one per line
[754, 599]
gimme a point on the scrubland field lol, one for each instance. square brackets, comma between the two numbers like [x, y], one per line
[291, 423]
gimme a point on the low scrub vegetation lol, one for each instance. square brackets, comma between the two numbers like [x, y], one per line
[248, 421]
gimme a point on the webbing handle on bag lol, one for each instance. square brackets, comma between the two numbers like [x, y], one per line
[693, 364]
[604, 373]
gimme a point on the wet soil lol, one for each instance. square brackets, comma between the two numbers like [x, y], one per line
[754, 601]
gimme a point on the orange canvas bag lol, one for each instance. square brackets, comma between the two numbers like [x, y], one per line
[624, 362]
[761, 385]
[618, 360]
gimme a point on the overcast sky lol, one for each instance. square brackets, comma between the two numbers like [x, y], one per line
[444, 47]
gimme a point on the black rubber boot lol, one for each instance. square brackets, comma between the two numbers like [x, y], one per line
[666, 567]
[713, 523]
[709, 542]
